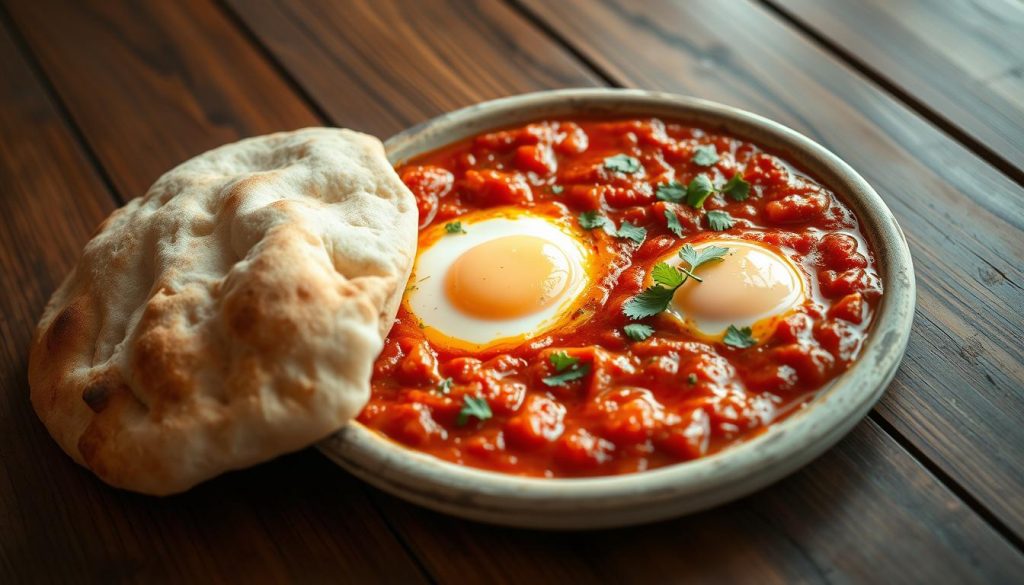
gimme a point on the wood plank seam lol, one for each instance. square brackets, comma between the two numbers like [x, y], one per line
[250, 37]
[58, 103]
[901, 440]
[947, 480]
[876, 77]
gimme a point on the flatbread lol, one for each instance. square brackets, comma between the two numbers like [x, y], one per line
[231, 314]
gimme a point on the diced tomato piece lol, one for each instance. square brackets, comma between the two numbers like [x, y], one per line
[537, 159]
[619, 197]
[539, 422]
[486, 444]
[840, 284]
[573, 139]
[839, 252]
[689, 439]
[428, 184]
[849, 308]
[581, 450]
[419, 366]
[490, 187]
[796, 208]
[810, 362]
[410, 423]
[628, 416]
[838, 338]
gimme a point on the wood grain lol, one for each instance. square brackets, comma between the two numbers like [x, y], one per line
[962, 60]
[299, 517]
[395, 64]
[184, 75]
[156, 83]
[957, 396]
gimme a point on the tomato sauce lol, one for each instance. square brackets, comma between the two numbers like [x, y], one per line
[642, 404]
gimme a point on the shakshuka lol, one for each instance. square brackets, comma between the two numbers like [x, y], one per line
[597, 297]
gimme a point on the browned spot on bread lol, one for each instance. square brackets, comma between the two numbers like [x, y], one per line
[65, 327]
[164, 354]
[96, 395]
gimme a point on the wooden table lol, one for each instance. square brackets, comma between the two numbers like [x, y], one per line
[924, 97]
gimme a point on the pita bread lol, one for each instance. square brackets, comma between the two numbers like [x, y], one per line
[231, 314]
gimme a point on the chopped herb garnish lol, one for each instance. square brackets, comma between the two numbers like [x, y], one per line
[739, 338]
[692, 379]
[705, 156]
[622, 163]
[699, 189]
[562, 360]
[454, 227]
[737, 188]
[592, 219]
[445, 386]
[575, 373]
[632, 232]
[673, 192]
[557, 189]
[569, 369]
[638, 331]
[665, 275]
[673, 223]
[655, 299]
[720, 220]
[706, 254]
[475, 406]
[649, 303]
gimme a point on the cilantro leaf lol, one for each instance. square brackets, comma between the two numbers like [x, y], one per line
[692, 379]
[655, 299]
[632, 232]
[573, 373]
[592, 219]
[739, 338]
[698, 190]
[562, 360]
[638, 331]
[445, 386]
[665, 275]
[720, 220]
[673, 192]
[622, 163]
[454, 227]
[648, 303]
[737, 188]
[705, 156]
[706, 254]
[475, 407]
[673, 223]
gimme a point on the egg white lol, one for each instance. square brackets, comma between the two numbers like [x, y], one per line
[427, 298]
[761, 262]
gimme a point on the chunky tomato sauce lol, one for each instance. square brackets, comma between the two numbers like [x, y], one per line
[642, 404]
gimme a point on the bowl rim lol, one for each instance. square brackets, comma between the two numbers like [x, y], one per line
[687, 486]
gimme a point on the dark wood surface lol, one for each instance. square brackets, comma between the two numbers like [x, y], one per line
[960, 62]
[98, 98]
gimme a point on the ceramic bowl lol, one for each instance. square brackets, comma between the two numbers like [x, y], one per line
[685, 487]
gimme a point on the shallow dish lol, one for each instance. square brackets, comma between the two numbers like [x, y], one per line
[686, 487]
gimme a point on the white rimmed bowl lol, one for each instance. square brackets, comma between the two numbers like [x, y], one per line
[602, 502]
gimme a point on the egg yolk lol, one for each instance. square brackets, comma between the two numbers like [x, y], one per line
[750, 283]
[508, 277]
